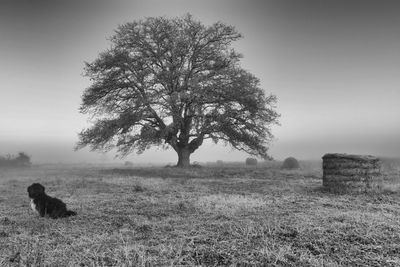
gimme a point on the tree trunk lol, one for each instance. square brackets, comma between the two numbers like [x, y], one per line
[183, 158]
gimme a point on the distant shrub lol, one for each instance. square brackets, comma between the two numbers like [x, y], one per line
[20, 161]
[23, 160]
[220, 162]
[290, 163]
[251, 161]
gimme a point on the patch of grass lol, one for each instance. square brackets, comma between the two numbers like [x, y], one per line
[197, 217]
[229, 203]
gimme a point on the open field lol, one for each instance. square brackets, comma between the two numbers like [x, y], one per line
[259, 216]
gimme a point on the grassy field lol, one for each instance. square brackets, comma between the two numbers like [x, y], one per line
[197, 217]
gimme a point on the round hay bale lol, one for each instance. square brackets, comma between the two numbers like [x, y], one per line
[251, 161]
[344, 172]
[290, 163]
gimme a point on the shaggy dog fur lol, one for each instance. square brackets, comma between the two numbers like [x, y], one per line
[46, 205]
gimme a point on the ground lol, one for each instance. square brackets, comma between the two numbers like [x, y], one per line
[210, 216]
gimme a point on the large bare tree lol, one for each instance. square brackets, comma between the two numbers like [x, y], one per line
[174, 83]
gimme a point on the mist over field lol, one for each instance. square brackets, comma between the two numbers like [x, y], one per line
[333, 67]
[63, 153]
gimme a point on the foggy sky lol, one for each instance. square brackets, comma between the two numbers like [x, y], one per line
[334, 66]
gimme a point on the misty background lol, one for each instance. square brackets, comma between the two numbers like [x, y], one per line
[334, 66]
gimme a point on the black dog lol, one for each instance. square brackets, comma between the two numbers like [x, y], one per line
[46, 205]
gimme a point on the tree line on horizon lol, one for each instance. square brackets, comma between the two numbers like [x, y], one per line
[22, 160]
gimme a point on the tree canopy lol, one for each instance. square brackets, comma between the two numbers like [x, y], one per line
[174, 83]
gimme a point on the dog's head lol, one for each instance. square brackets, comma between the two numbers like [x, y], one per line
[35, 190]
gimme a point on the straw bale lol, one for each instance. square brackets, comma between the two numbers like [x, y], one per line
[339, 178]
[354, 186]
[350, 157]
[350, 171]
[336, 161]
[353, 172]
[290, 163]
[350, 165]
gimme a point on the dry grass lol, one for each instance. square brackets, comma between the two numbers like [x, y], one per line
[206, 216]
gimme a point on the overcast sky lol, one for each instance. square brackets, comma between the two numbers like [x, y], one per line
[334, 66]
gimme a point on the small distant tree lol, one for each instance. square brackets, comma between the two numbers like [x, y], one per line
[23, 160]
[174, 83]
